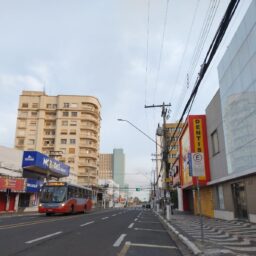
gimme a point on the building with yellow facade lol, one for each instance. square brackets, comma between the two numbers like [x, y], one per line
[66, 124]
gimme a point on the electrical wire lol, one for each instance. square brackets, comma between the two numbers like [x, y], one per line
[209, 56]
[185, 50]
[161, 49]
[198, 51]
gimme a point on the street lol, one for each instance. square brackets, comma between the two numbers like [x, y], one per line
[109, 232]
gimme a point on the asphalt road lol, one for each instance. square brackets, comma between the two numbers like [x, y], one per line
[122, 232]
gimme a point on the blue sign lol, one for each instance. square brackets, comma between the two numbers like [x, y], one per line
[33, 186]
[190, 164]
[35, 161]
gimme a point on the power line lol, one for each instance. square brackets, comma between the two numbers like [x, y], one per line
[198, 50]
[161, 50]
[209, 56]
[186, 47]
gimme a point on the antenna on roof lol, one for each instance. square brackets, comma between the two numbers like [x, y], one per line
[44, 87]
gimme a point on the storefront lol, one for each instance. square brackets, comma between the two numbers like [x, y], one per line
[30, 198]
[194, 140]
[10, 188]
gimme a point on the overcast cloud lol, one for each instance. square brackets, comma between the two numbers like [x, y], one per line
[99, 48]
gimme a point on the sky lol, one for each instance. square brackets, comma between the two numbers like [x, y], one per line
[127, 53]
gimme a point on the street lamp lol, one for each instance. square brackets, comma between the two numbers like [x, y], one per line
[124, 120]
[163, 148]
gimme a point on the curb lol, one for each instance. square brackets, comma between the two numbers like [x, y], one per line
[185, 240]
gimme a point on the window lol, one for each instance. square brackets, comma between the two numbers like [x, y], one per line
[34, 105]
[72, 151]
[65, 113]
[48, 105]
[215, 143]
[71, 160]
[72, 141]
[64, 132]
[73, 123]
[54, 105]
[64, 123]
[63, 141]
[63, 150]
[24, 105]
[20, 142]
[66, 105]
[72, 132]
[32, 123]
[220, 198]
[74, 114]
[34, 114]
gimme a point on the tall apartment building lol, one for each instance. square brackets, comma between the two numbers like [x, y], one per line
[66, 123]
[106, 166]
[119, 166]
[173, 141]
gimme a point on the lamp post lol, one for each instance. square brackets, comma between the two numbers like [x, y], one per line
[124, 120]
[155, 142]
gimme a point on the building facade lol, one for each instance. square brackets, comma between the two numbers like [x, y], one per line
[66, 124]
[106, 166]
[119, 166]
[232, 137]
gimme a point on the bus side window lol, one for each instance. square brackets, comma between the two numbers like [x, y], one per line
[70, 192]
[89, 194]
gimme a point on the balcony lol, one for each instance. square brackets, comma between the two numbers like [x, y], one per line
[89, 146]
[88, 155]
[90, 118]
[87, 136]
[84, 164]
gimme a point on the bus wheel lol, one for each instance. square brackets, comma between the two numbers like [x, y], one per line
[48, 214]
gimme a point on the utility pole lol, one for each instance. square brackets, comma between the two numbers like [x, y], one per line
[165, 144]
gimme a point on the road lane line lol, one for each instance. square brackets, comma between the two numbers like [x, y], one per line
[119, 240]
[114, 215]
[153, 246]
[43, 237]
[147, 229]
[135, 219]
[152, 222]
[131, 225]
[104, 218]
[87, 223]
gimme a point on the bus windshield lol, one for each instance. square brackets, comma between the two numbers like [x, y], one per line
[53, 194]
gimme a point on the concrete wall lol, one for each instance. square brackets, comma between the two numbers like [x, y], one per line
[218, 163]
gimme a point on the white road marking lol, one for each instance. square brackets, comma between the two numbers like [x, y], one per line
[152, 245]
[104, 218]
[149, 221]
[43, 237]
[131, 225]
[87, 223]
[147, 229]
[114, 215]
[135, 219]
[119, 240]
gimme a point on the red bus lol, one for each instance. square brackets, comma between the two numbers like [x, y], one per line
[62, 197]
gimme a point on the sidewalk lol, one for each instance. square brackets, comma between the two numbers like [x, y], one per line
[221, 237]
